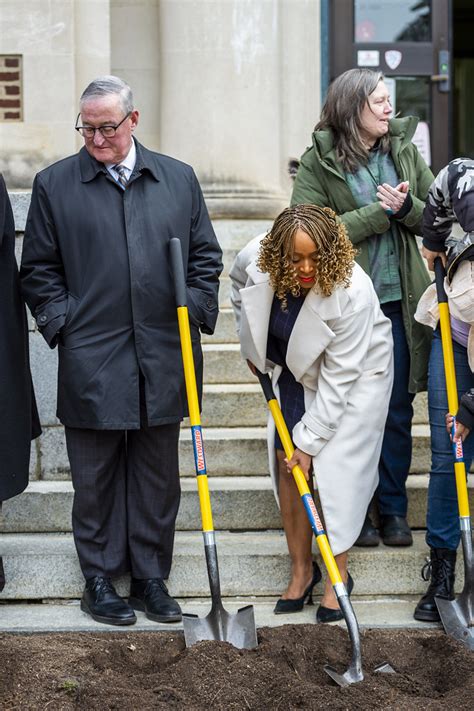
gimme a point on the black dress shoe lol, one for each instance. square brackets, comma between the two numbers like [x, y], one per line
[102, 603]
[151, 597]
[327, 614]
[369, 536]
[285, 606]
[395, 531]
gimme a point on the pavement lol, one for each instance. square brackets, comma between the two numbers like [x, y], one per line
[57, 616]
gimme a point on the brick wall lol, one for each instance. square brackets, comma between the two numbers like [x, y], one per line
[10, 88]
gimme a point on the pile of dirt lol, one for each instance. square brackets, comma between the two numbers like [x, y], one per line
[143, 671]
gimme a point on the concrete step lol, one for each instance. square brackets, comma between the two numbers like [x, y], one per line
[233, 404]
[223, 363]
[230, 405]
[43, 566]
[238, 504]
[231, 395]
[225, 329]
[230, 451]
[224, 292]
[233, 235]
[381, 612]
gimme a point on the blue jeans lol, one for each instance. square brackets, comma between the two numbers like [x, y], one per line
[442, 519]
[395, 458]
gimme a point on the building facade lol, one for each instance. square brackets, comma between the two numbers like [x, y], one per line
[230, 86]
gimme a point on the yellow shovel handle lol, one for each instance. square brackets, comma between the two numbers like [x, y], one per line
[191, 387]
[451, 387]
[302, 484]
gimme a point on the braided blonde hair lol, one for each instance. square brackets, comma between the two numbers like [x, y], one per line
[334, 254]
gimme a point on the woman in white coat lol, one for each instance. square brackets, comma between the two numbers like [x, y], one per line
[309, 315]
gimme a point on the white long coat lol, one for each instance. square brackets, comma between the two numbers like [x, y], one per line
[340, 350]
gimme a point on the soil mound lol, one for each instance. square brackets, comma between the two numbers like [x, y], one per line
[129, 671]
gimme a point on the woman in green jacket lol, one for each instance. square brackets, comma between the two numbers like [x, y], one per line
[365, 167]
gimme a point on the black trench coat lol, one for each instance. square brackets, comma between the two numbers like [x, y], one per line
[95, 273]
[19, 422]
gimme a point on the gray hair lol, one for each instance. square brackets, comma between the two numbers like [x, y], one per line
[347, 97]
[106, 85]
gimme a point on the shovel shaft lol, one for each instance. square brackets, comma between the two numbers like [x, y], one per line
[301, 483]
[238, 629]
[191, 386]
[451, 388]
[354, 673]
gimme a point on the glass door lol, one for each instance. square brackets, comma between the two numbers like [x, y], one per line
[409, 42]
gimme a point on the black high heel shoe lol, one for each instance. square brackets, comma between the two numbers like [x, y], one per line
[283, 606]
[327, 614]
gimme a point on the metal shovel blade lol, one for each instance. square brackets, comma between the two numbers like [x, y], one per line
[354, 673]
[238, 629]
[458, 618]
[351, 676]
[457, 615]
[384, 668]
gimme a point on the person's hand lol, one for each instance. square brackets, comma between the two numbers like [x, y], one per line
[304, 460]
[252, 367]
[393, 198]
[461, 430]
[431, 256]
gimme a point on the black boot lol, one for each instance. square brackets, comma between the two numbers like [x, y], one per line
[441, 571]
[369, 536]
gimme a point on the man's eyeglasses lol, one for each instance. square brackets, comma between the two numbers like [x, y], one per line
[106, 131]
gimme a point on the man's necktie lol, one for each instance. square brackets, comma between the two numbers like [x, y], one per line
[122, 174]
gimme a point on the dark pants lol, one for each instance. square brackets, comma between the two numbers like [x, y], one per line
[443, 518]
[395, 458]
[2, 574]
[126, 498]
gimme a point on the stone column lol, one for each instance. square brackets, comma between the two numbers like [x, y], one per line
[221, 100]
[135, 57]
[91, 44]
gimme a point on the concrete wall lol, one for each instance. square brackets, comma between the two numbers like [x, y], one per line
[60, 41]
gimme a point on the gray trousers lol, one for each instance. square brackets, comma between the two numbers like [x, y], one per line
[126, 498]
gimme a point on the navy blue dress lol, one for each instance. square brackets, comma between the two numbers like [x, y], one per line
[279, 331]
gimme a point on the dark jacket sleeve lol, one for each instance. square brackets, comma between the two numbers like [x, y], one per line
[466, 410]
[3, 203]
[204, 265]
[412, 219]
[42, 273]
[438, 215]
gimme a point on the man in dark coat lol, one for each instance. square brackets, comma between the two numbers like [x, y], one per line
[18, 414]
[95, 273]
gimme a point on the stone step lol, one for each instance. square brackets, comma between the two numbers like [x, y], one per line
[238, 504]
[45, 566]
[230, 451]
[225, 329]
[223, 363]
[43, 617]
[233, 404]
[224, 292]
[227, 404]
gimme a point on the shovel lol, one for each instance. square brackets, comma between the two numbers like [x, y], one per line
[354, 672]
[239, 628]
[456, 615]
